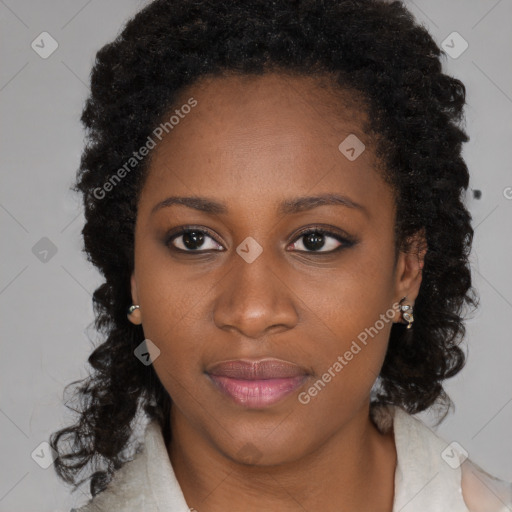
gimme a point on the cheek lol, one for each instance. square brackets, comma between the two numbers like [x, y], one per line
[349, 315]
[351, 336]
[171, 294]
[172, 320]
[351, 297]
[179, 364]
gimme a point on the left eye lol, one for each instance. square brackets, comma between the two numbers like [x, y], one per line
[315, 239]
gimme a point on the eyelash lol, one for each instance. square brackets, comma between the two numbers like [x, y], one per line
[345, 241]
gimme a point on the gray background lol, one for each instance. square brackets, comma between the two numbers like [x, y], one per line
[46, 305]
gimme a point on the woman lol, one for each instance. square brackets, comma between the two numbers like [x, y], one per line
[273, 193]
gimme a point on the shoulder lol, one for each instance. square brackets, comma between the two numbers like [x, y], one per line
[433, 473]
[483, 492]
[127, 490]
[145, 483]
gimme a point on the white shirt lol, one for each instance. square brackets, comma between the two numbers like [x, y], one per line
[431, 475]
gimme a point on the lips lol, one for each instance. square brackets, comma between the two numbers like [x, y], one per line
[257, 384]
[257, 370]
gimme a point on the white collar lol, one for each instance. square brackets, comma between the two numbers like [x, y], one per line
[424, 482]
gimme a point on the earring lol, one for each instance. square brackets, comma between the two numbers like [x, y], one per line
[407, 313]
[133, 314]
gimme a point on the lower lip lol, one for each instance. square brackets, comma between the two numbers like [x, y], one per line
[257, 393]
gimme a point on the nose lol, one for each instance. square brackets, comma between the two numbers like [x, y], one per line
[255, 300]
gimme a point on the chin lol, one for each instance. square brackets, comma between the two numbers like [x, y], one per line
[260, 451]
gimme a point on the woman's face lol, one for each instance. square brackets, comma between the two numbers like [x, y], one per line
[252, 287]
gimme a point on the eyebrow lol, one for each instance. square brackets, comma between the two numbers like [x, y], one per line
[287, 207]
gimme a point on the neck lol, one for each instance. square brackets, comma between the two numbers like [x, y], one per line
[352, 471]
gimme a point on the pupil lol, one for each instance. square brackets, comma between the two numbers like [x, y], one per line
[314, 241]
[191, 238]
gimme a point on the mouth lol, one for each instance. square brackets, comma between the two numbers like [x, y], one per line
[257, 384]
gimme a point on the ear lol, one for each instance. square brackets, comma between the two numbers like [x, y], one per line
[408, 272]
[135, 317]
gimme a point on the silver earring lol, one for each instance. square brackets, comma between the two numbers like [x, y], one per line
[134, 315]
[407, 312]
[132, 308]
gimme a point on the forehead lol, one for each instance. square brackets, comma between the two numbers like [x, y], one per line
[319, 93]
[260, 102]
[263, 136]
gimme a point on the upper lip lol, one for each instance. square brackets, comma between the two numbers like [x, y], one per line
[255, 370]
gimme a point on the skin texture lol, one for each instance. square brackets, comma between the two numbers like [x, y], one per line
[252, 143]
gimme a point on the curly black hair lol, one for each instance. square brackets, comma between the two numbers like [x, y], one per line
[375, 49]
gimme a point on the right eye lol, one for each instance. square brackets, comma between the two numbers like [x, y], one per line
[192, 240]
